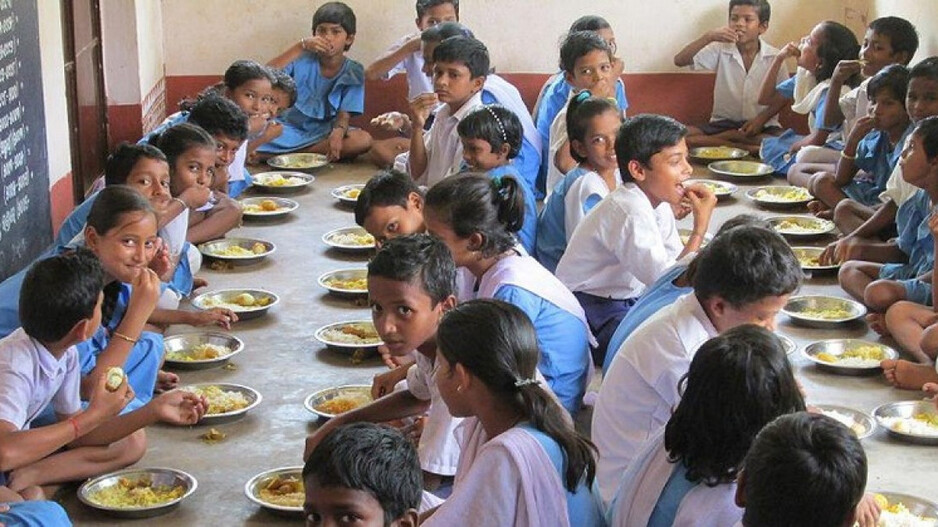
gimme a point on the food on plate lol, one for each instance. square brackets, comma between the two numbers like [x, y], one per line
[277, 180]
[220, 401]
[859, 357]
[920, 424]
[348, 284]
[115, 377]
[360, 333]
[267, 205]
[135, 494]
[201, 352]
[716, 152]
[256, 249]
[803, 226]
[343, 403]
[239, 302]
[352, 193]
[830, 313]
[846, 420]
[898, 515]
[361, 239]
[286, 491]
[783, 194]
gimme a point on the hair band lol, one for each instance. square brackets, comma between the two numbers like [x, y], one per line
[498, 121]
[520, 383]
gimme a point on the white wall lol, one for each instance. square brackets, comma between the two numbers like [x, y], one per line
[121, 62]
[202, 38]
[922, 13]
[52, 56]
[150, 35]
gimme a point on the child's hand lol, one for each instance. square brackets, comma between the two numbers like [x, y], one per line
[863, 126]
[179, 407]
[145, 292]
[384, 383]
[790, 50]
[196, 196]
[867, 511]
[753, 127]
[335, 144]
[931, 389]
[318, 45]
[256, 123]
[840, 251]
[701, 199]
[108, 403]
[722, 34]
[217, 315]
[846, 69]
[421, 107]
[413, 43]
[391, 122]
[273, 131]
[161, 263]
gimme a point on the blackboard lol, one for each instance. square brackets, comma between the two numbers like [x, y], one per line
[25, 219]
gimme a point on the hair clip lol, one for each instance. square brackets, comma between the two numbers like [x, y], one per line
[583, 95]
[498, 121]
[520, 383]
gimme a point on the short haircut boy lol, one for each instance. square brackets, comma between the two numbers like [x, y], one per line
[417, 258]
[120, 163]
[335, 13]
[893, 78]
[425, 5]
[744, 265]
[219, 116]
[803, 458]
[762, 7]
[578, 44]
[58, 293]
[372, 458]
[641, 137]
[496, 125]
[464, 50]
[926, 68]
[927, 132]
[387, 188]
[286, 84]
[902, 34]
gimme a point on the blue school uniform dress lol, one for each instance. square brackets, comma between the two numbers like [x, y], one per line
[554, 96]
[319, 100]
[775, 150]
[551, 227]
[528, 161]
[172, 120]
[583, 506]
[915, 239]
[35, 514]
[528, 233]
[661, 294]
[877, 159]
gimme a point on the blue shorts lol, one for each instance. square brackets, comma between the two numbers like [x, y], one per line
[917, 291]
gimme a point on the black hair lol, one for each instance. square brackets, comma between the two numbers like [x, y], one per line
[464, 50]
[737, 383]
[124, 158]
[578, 44]
[445, 30]
[902, 34]
[425, 5]
[926, 68]
[581, 108]
[494, 124]
[762, 7]
[838, 43]
[58, 293]
[242, 71]
[219, 116]
[417, 258]
[894, 78]
[927, 132]
[387, 188]
[746, 264]
[475, 203]
[743, 220]
[806, 459]
[373, 458]
[284, 83]
[641, 137]
[110, 205]
[589, 23]
[335, 13]
[495, 341]
[179, 139]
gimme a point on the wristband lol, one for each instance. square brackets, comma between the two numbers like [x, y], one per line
[120, 335]
[844, 155]
[75, 427]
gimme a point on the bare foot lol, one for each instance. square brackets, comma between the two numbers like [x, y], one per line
[165, 381]
[198, 282]
[877, 323]
[33, 494]
[908, 375]
[815, 206]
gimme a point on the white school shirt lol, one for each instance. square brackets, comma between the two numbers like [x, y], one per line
[31, 377]
[736, 91]
[438, 448]
[555, 139]
[588, 188]
[643, 483]
[897, 188]
[621, 247]
[640, 388]
[417, 81]
[444, 149]
[854, 104]
[236, 168]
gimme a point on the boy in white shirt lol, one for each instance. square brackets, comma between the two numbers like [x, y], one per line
[630, 238]
[743, 277]
[60, 306]
[741, 60]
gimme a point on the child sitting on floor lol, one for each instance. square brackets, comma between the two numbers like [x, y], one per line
[592, 123]
[818, 54]
[411, 283]
[685, 474]
[741, 59]
[229, 127]
[491, 138]
[630, 238]
[282, 96]
[330, 90]
[743, 277]
[522, 461]
[477, 217]
[60, 305]
[800, 459]
[390, 205]
[363, 471]
[879, 286]
[872, 148]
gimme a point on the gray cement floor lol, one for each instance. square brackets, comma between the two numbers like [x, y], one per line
[284, 363]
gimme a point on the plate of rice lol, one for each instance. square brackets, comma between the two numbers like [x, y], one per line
[281, 182]
[225, 401]
[720, 189]
[685, 236]
[348, 336]
[137, 492]
[207, 349]
[849, 356]
[809, 258]
[741, 169]
[349, 239]
[801, 226]
[238, 251]
[331, 402]
[298, 161]
[858, 422]
[247, 303]
[716, 153]
[348, 194]
[825, 312]
[911, 421]
[267, 207]
[346, 282]
[902, 510]
[779, 196]
[280, 490]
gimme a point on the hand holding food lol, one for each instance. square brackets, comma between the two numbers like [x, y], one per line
[114, 378]
[180, 407]
[145, 292]
[846, 69]
[790, 50]
[111, 394]
[220, 316]
[723, 34]
[421, 107]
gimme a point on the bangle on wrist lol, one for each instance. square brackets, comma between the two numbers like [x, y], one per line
[75, 427]
[845, 155]
[121, 336]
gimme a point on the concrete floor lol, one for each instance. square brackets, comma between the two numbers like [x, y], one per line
[284, 363]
